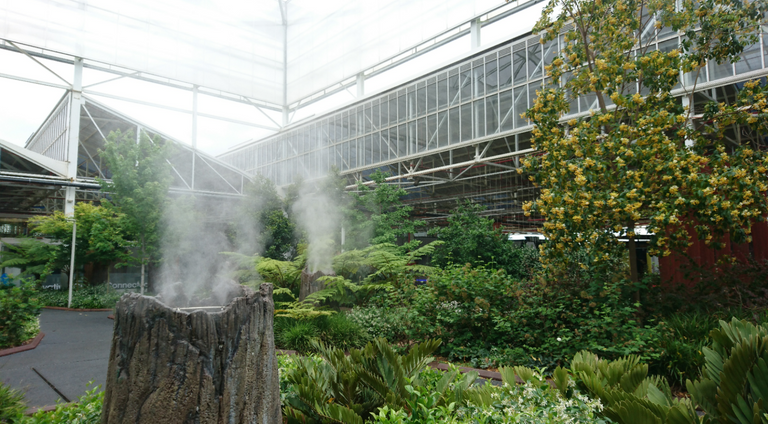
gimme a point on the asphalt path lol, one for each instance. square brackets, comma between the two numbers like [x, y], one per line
[74, 351]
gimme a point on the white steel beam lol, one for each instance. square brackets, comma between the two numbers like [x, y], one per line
[73, 135]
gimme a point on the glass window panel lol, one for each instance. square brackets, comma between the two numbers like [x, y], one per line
[354, 118]
[466, 122]
[521, 104]
[454, 125]
[421, 135]
[353, 153]
[368, 152]
[431, 98]
[524, 141]
[393, 153]
[454, 89]
[442, 129]
[442, 94]
[367, 120]
[431, 131]
[717, 71]
[550, 51]
[518, 64]
[479, 81]
[535, 70]
[479, 115]
[402, 141]
[375, 149]
[421, 101]
[345, 125]
[505, 72]
[491, 114]
[383, 114]
[532, 89]
[491, 76]
[392, 111]
[411, 104]
[401, 109]
[412, 137]
[466, 85]
[750, 59]
[386, 147]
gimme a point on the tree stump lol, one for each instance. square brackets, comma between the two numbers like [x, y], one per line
[310, 283]
[171, 366]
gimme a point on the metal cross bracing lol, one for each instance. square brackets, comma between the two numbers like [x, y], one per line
[434, 133]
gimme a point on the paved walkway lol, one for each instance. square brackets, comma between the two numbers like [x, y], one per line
[74, 351]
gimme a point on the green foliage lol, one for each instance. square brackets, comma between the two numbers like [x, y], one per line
[265, 222]
[12, 404]
[346, 389]
[378, 215]
[384, 263]
[19, 308]
[35, 258]
[640, 155]
[101, 235]
[140, 178]
[733, 387]
[491, 319]
[84, 297]
[87, 410]
[382, 321]
[471, 239]
[296, 335]
[337, 290]
[630, 396]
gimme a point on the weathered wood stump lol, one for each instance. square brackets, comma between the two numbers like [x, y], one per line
[310, 283]
[171, 366]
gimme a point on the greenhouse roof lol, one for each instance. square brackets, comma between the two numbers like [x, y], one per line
[275, 51]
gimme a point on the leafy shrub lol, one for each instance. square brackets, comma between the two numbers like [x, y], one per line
[87, 410]
[479, 310]
[381, 321]
[734, 382]
[339, 331]
[87, 297]
[533, 402]
[297, 335]
[12, 404]
[19, 308]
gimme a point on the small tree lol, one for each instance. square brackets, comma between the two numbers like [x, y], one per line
[141, 176]
[264, 219]
[640, 155]
[378, 215]
[101, 236]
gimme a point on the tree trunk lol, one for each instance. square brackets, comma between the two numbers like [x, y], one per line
[171, 366]
[310, 283]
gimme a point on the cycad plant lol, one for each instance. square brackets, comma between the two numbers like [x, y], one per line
[733, 387]
[347, 389]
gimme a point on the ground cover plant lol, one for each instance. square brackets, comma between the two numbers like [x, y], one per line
[19, 309]
[102, 296]
[86, 410]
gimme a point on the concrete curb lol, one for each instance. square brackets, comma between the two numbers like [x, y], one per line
[59, 308]
[23, 348]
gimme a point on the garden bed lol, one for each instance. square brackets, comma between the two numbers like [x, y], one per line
[27, 345]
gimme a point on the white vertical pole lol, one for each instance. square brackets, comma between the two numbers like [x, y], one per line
[360, 82]
[194, 117]
[474, 34]
[73, 136]
[72, 264]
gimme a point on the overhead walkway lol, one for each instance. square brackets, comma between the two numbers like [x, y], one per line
[457, 132]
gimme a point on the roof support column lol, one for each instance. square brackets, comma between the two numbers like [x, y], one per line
[194, 116]
[360, 82]
[474, 34]
[73, 134]
[284, 13]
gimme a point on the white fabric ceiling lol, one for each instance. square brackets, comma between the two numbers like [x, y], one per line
[233, 45]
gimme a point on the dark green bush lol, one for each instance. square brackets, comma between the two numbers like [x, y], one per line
[297, 335]
[89, 297]
[489, 319]
[11, 404]
[19, 308]
[340, 332]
